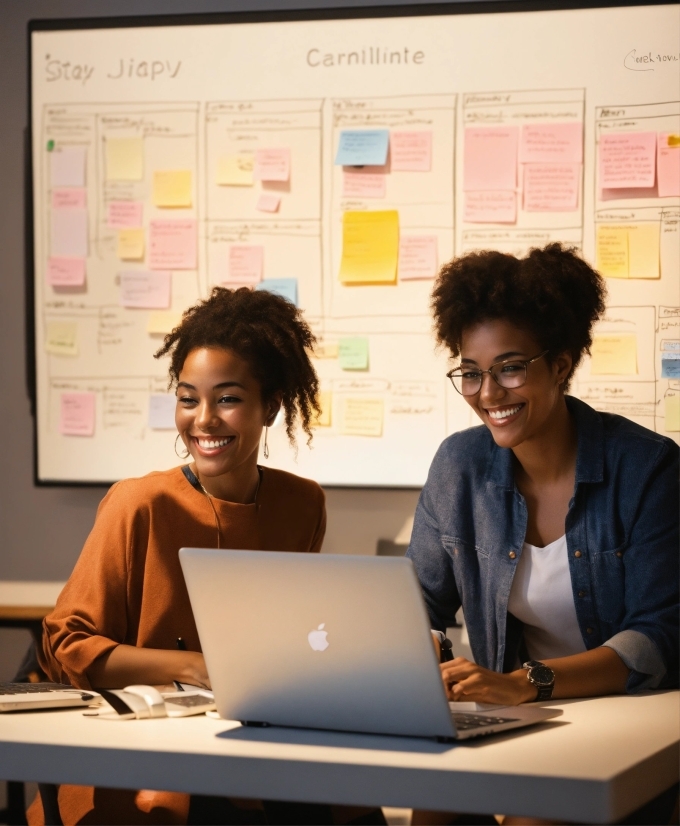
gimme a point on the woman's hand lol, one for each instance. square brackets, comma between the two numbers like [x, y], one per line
[464, 680]
[129, 665]
[195, 672]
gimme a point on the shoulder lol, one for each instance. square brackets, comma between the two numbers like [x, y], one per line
[142, 492]
[465, 448]
[290, 488]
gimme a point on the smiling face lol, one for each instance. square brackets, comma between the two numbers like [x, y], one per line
[220, 414]
[523, 413]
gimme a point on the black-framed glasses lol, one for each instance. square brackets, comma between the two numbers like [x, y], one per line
[510, 373]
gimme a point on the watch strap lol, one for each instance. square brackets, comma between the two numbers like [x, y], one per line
[544, 692]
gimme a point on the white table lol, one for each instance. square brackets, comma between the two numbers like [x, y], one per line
[601, 760]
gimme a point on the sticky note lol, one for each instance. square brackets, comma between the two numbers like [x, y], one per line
[614, 355]
[246, 262]
[366, 147]
[67, 166]
[668, 165]
[490, 207]
[172, 188]
[361, 416]
[611, 251]
[162, 411]
[411, 151]
[370, 247]
[670, 368]
[551, 187]
[353, 353]
[670, 346]
[552, 143]
[285, 287]
[173, 244]
[357, 183]
[124, 159]
[326, 350]
[672, 412]
[417, 257]
[627, 160]
[69, 233]
[66, 272]
[490, 158]
[326, 405]
[61, 338]
[236, 170]
[131, 244]
[145, 290]
[268, 202]
[124, 214]
[272, 165]
[644, 250]
[71, 198]
[76, 414]
[162, 322]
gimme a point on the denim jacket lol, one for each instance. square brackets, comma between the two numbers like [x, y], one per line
[622, 540]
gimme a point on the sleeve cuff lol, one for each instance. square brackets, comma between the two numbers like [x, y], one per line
[642, 656]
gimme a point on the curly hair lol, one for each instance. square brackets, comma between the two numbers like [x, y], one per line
[552, 293]
[266, 331]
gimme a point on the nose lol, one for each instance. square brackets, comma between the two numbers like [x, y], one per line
[206, 416]
[490, 392]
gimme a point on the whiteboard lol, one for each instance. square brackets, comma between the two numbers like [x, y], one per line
[191, 96]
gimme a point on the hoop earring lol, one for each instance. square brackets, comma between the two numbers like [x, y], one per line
[265, 449]
[186, 452]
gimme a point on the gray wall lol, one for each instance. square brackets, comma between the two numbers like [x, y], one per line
[42, 529]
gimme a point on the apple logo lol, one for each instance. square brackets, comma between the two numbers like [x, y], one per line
[317, 639]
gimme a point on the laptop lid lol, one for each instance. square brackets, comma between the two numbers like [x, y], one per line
[317, 641]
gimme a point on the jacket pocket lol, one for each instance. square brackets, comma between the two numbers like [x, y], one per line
[609, 585]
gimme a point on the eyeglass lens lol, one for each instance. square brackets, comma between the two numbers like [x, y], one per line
[509, 374]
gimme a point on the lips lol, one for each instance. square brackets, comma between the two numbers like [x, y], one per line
[501, 416]
[211, 446]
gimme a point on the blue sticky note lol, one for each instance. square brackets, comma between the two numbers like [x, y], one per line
[285, 287]
[670, 368]
[363, 148]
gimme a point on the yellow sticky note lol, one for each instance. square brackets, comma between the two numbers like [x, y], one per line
[672, 409]
[673, 140]
[370, 247]
[236, 170]
[644, 251]
[326, 404]
[131, 244]
[361, 417]
[611, 253]
[326, 350]
[614, 355]
[162, 322]
[124, 159]
[62, 338]
[172, 188]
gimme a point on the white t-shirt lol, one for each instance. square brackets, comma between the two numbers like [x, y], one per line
[542, 598]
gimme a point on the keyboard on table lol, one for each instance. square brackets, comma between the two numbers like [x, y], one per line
[465, 722]
[33, 688]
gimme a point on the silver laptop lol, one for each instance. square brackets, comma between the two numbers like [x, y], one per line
[328, 642]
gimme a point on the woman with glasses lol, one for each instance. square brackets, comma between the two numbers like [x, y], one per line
[554, 526]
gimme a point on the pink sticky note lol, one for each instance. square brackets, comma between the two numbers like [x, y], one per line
[411, 151]
[145, 290]
[267, 202]
[246, 263]
[627, 160]
[551, 187]
[76, 414]
[172, 244]
[360, 183]
[272, 164]
[551, 143]
[67, 166]
[124, 214]
[417, 257]
[498, 207]
[69, 233]
[66, 272]
[72, 198]
[667, 167]
[490, 160]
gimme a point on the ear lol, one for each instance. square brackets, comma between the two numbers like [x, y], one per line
[272, 407]
[561, 366]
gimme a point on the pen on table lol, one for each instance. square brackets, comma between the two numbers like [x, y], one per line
[181, 646]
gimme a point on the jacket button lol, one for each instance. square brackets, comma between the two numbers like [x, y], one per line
[589, 630]
[577, 554]
[581, 593]
[512, 554]
[619, 554]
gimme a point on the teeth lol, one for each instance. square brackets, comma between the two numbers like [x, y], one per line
[503, 414]
[210, 443]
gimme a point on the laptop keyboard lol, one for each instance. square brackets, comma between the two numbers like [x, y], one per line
[465, 722]
[33, 688]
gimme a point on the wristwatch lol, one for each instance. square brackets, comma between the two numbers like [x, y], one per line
[542, 677]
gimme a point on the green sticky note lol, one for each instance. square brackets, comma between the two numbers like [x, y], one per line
[353, 353]
[50, 145]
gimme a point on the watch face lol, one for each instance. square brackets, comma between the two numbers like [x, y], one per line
[542, 675]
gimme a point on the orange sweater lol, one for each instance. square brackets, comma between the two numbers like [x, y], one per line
[127, 586]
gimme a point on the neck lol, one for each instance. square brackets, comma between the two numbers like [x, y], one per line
[550, 454]
[239, 486]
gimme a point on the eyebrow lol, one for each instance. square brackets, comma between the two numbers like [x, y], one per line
[219, 386]
[502, 357]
